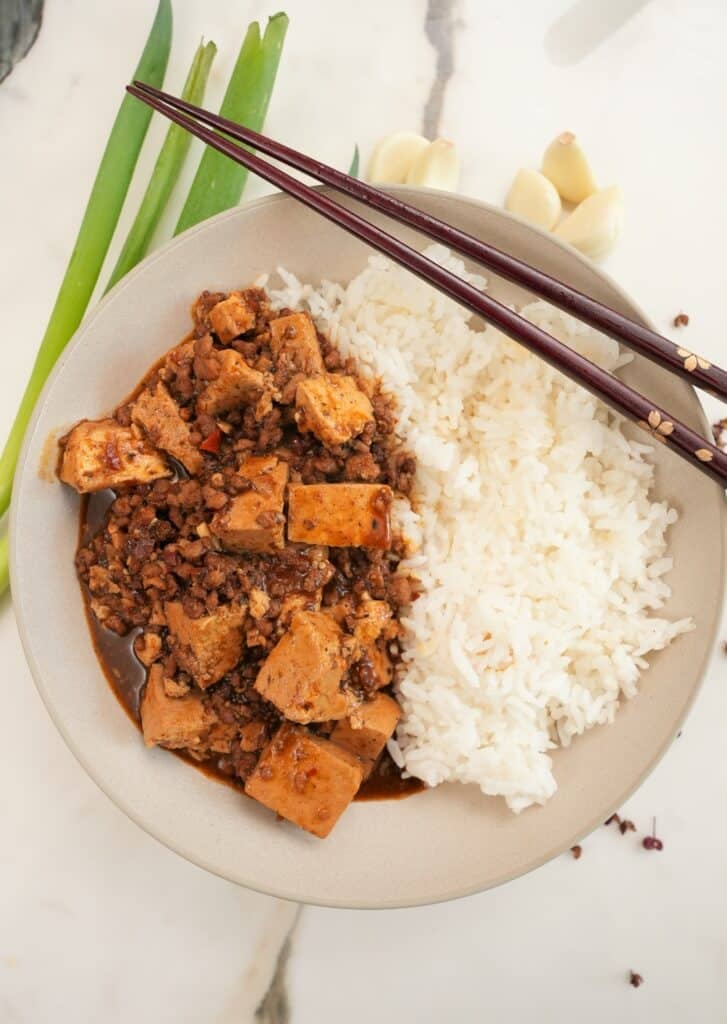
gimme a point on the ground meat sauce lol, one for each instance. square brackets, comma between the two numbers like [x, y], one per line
[199, 493]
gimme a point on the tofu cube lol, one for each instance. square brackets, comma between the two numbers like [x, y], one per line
[340, 515]
[367, 729]
[232, 317]
[254, 520]
[209, 647]
[236, 384]
[157, 414]
[302, 674]
[305, 779]
[101, 453]
[372, 619]
[293, 340]
[172, 721]
[297, 602]
[333, 408]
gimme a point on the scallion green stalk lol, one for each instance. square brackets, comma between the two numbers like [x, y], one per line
[99, 220]
[219, 182]
[166, 170]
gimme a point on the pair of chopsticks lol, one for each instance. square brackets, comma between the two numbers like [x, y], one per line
[663, 427]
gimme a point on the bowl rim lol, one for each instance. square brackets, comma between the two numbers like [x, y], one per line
[118, 798]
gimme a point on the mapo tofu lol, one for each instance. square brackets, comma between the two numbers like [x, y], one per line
[240, 554]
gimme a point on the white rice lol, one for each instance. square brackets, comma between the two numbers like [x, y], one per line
[541, 556]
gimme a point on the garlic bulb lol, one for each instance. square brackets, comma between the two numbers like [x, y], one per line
[437, 166]
[391, 160]
[534, 198]
[565, 164]
[595, 224]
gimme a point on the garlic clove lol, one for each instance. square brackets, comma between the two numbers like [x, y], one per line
[595, 224]
[393, 156]
[437, 166]
[534, 198]
[565, 164]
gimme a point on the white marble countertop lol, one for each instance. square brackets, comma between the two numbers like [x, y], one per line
[98, 922]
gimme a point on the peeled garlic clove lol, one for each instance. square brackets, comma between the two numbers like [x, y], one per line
[391, 160]
[595, 224]
[437, 166]
[565, 164]
[534, 198]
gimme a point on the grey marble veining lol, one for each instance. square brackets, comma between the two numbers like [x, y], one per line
[274, 1007]
[20, 22]
[439, 25]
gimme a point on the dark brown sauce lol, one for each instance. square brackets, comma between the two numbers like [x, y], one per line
[386, 783]
[126, 677]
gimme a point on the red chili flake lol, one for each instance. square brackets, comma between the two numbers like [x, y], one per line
[576, 851]
[626, 825]
[614, 817]
[652, 842]
[111, 454]
[635, 979]
[681, 320]
[212, 442]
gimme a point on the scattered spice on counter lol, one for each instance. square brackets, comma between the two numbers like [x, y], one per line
[635, 979]
[719, 432]
[681, 320]
[576, 850]
[652, 842]
[624, 824]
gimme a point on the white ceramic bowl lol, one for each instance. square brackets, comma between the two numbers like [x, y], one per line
[435, 846]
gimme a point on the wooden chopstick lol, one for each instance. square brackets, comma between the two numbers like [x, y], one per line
[625, 400]
[633, 335]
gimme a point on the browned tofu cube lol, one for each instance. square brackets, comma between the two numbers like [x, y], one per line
[293, 340]
[254, 520]
[232, 317]
[340, 515]
[236, 384]
[367, 729]
[173, 721]
[302, 674]
[372, 619]
[158, 414]
[305, 779]
[333, 408]
[209, 647]
[297, 602]
[100, 454]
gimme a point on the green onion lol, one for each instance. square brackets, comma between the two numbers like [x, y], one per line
[166, 170]
[219, 182]
[353, 169]
[99, 220]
